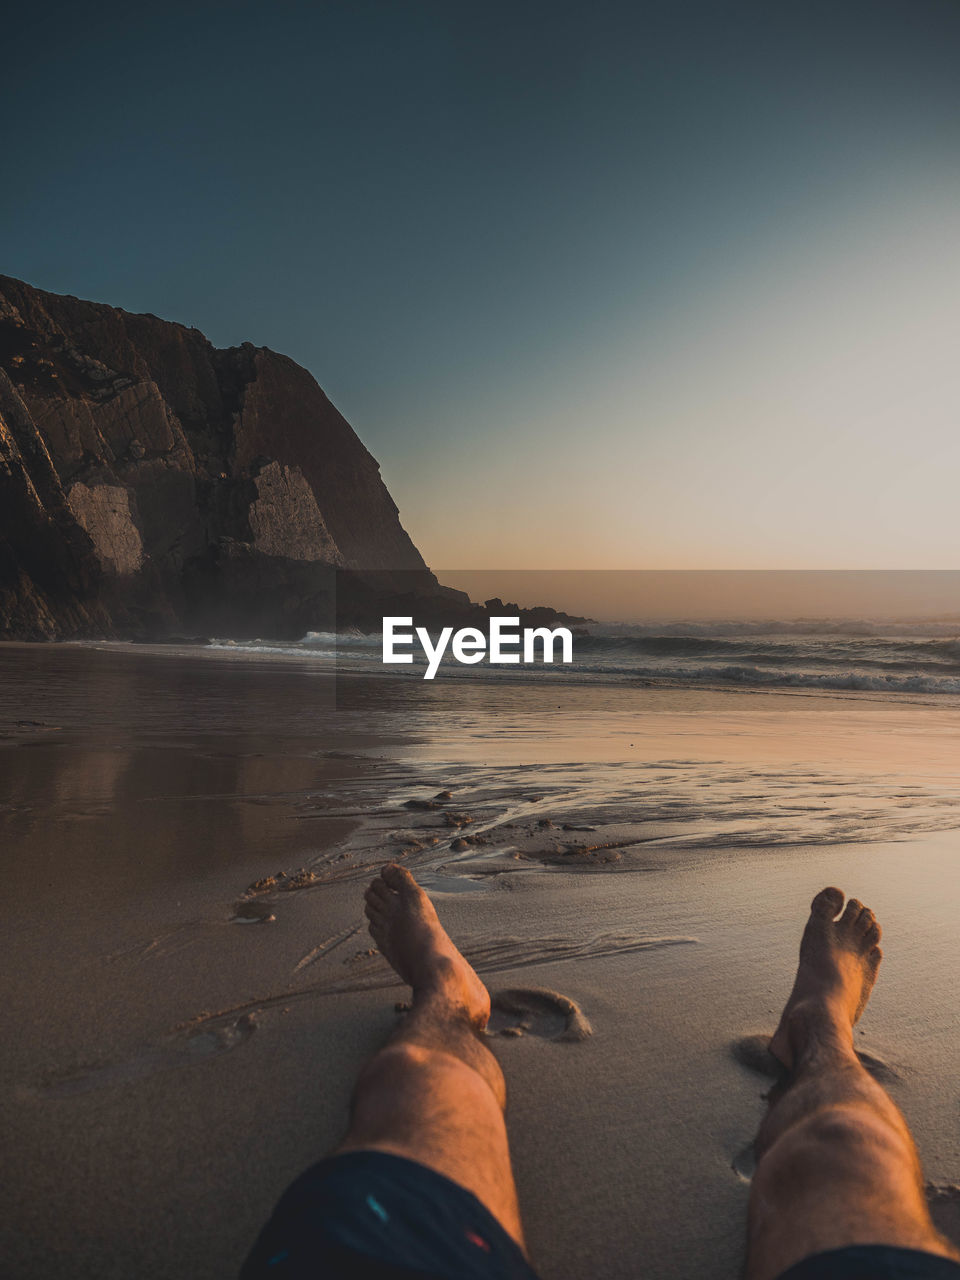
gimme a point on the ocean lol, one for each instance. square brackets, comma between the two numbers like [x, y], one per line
[915, 657]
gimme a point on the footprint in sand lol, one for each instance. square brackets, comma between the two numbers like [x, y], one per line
[174, 1052]
[753, 1052]
[246, 912]
[537, 1011]
[944, 1202]
[744, 1163]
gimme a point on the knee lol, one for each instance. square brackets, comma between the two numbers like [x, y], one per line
[407, 1064]
[862, 1131]
[394, 1064]
[839, 1138]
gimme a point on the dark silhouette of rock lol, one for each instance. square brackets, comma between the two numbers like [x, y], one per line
[152, 486]
[150, 483]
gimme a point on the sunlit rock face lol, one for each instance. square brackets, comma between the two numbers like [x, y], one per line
[103, 512]
[151, 484]
[286, 520]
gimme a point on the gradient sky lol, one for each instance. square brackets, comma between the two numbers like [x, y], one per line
[670, 285]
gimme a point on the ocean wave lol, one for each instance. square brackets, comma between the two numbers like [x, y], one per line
[290, 648]
[350, 639]
[849, 680]
[745, 656]
[921, 628]
[315, 644]
[937, 656]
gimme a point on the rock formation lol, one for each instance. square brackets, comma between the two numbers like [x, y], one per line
[153, 485]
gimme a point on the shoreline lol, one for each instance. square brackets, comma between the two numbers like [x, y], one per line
[329, 662]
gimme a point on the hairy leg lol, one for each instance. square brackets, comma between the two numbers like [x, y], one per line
[435, 1093]
[836, 1163]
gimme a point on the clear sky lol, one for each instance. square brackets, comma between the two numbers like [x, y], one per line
[606, 285]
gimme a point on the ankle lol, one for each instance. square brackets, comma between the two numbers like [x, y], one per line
[817, 1030]
[446, 995]
[438, 979]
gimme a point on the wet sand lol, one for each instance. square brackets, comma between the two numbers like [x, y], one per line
[631, 872]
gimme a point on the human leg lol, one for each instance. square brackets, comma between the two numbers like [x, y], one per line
[422, 1183]
[837, 1166]
[435, 1093]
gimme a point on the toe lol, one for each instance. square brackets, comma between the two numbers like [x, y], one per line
[864, 920]
[874, 955]
[851, 911]
[398, 878]
[377, 889]
[827, 903]
[872, 936]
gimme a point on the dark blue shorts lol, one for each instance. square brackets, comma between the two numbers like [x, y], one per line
[874, 1262]
[366, 1215]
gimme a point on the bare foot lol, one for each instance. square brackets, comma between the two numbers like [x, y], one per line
[838, 967]
[404, 925]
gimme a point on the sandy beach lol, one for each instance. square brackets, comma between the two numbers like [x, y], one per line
[188, 990]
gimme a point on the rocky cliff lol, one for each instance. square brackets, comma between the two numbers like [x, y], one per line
[152, 485]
